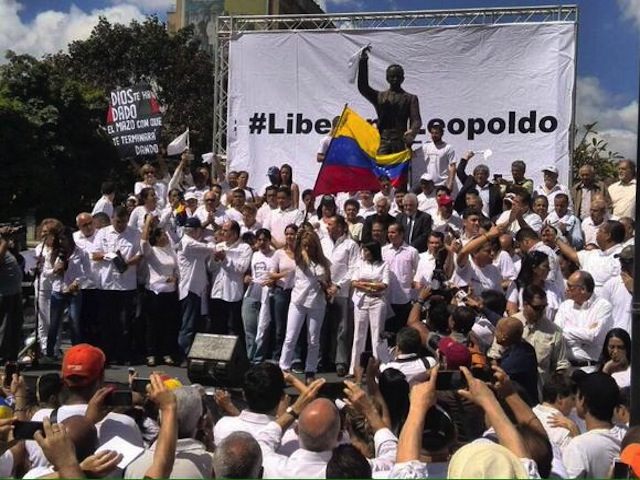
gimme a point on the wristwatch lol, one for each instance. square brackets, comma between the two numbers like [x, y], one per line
[292, 412]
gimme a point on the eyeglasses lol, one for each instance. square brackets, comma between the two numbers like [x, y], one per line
[150, 173]
[209, 200]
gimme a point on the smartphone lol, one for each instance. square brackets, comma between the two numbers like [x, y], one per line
[332, 390]
[364, 359]
[26, 430]
[497, 177]
[621, 469]
[119, 398]
[140, 385]
[461, 295]
[9, 369]
[450, 380]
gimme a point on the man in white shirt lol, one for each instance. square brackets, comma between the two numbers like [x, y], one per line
[407, 357]
[520, 215]
[591, 224]
[263, 388]
[558, 400]
[105, 203]
[591, 454]
[212, 214]
[192, 262]
[585, 320]
[83, 374]
[474, 264]
[233, 257]
[529, 241]
[446, 219]
[238, 199]
[550, 187]
[84, 239]
[428, 261]
[623, 192]
[367, 205]
[278, 219]
[117, 253]
[439, 155]
[343, 253]
[270, 203]
[403, 261]
[427, 197]
[618, 290]
[562, 219]
[601, 263]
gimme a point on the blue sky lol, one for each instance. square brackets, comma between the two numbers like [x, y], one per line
[608, 43]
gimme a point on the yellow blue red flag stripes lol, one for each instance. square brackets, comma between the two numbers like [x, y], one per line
[351, 162]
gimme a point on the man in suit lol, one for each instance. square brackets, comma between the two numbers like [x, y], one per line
[585, 190]
[381, 216]
[417, 223]
[489, 193]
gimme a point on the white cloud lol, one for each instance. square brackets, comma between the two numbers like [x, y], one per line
[149, 6]
[618, 125]
[51, 30]
[631, 10]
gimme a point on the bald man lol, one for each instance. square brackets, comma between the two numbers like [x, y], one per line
[518, 357]
[238, 456]
[318, 429]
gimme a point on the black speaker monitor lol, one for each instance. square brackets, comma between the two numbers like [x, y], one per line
[217, 361]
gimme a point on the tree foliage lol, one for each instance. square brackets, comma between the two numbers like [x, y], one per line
[592, 150]
[54, 151]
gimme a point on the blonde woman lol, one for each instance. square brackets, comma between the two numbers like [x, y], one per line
[312, 285]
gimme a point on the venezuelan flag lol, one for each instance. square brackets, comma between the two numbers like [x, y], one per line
[352, 163]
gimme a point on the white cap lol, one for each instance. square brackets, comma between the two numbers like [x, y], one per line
[190, 196]
[427, 177]
[550, 168]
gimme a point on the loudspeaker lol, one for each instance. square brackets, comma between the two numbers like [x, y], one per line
[217, 360]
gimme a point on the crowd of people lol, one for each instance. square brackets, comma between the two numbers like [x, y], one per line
[489, 321]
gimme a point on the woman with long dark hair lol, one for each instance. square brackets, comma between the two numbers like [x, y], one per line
[308, 301]
[395, 391]
[71, 268]
[50, 229]
[326, 210]
[281, 281]
[615, 359]
[161, 294]
[534, 270]
[369, 281]
[286, 178]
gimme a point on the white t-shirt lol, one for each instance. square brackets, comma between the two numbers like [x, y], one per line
[623, 379]
[478, 278]
[114, 424]
[438, 161]
[591, 454]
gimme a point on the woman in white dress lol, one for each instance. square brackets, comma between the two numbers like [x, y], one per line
[370, 281]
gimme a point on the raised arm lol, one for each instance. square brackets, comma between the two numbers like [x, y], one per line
[363, 79]
[462, 167]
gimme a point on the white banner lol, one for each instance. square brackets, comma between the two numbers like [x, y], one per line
[507, 88]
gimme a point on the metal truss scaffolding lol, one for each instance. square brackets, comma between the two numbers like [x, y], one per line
[227, 26]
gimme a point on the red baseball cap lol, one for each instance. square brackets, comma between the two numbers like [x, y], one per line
[82, 365]
[457, 354]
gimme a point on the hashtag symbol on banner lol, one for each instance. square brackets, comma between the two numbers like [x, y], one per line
[257, 122]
